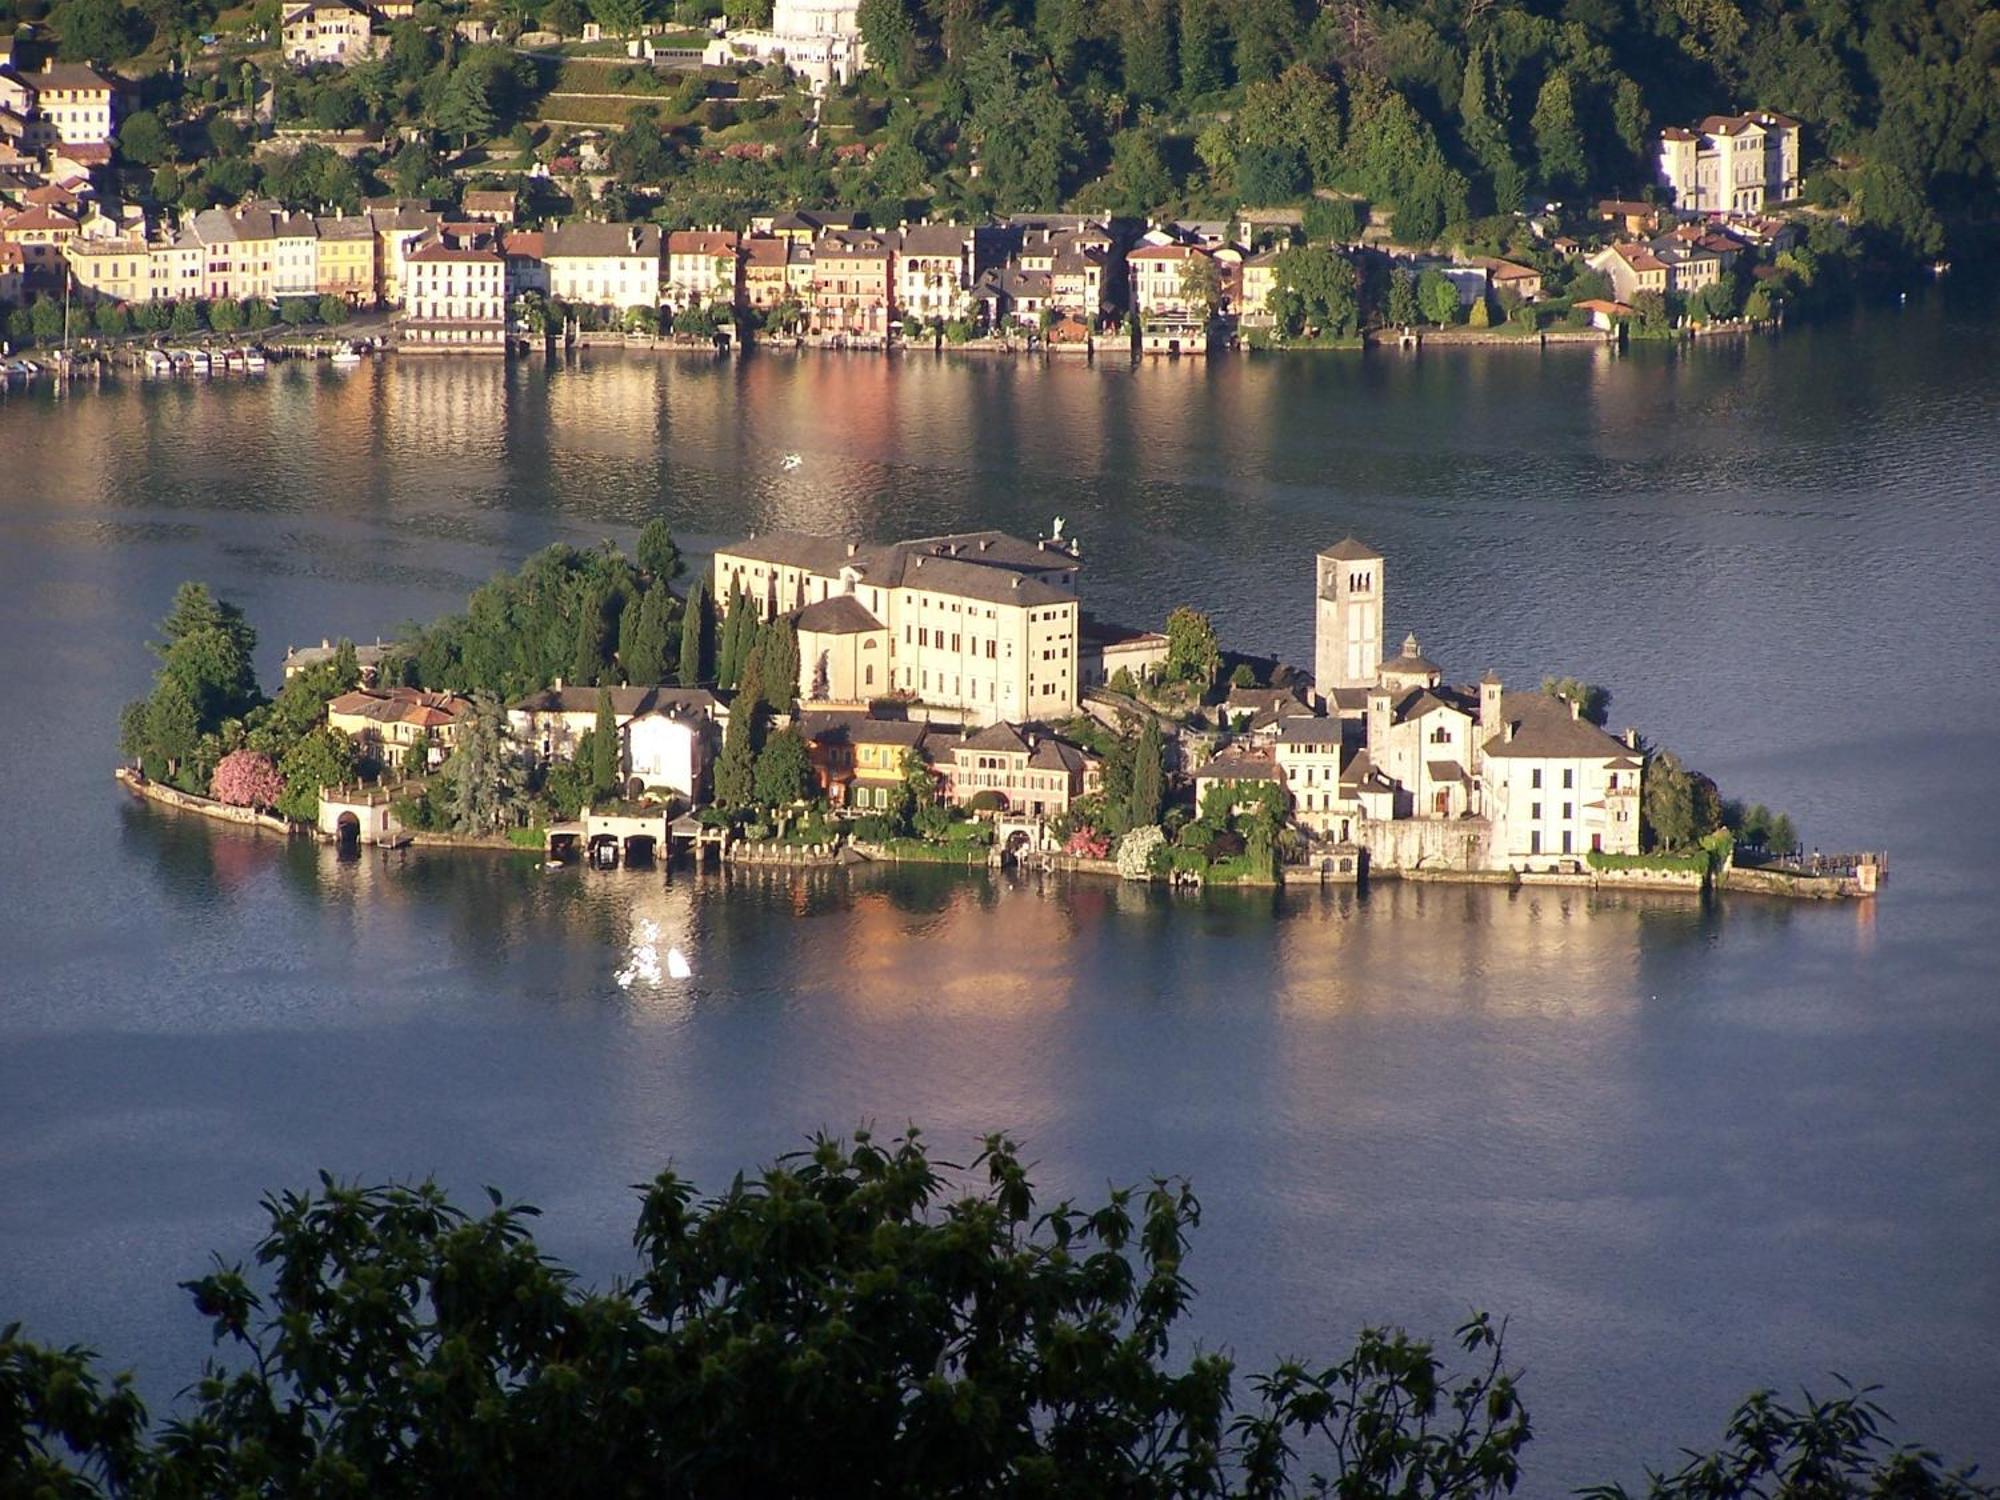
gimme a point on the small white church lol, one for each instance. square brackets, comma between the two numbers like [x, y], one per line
[1470, 777]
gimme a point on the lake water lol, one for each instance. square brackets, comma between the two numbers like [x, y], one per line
[1687, 1149]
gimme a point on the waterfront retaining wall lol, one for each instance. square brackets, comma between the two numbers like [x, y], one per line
[1785, 883]
[208, 807]
[1426, 844]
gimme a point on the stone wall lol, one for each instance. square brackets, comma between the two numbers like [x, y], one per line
[1785, 883]
[208, 807]
[1426, 843]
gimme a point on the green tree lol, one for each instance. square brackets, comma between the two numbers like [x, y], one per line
[113, 319]
[1437, 298]
[1152, 71]
[487, 779]
[735, 768]
[187, 320]
[604, 748]
[172, 725]
[1402, 310]
[1324, 281]
[738, 634]
[894, 40]
[1138, 181]
[45, 317]
[332, 311]
[591, 657]
[298, 311]
[1593, 702]
[783, 772]
[98, 30]
[321, 759]
[464, 107]
[1203, 37]
[1192, 653]
[209, 647]
[694, 628]
[1148, 790]
[778, 662]
[225, 315]
[646, 627]
[1201, 284]
[657, 554]
[1270, 174]
[143, 140]
[1559, 156]
[1667, 806]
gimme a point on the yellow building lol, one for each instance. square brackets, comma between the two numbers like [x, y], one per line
[112, 270]
[386, 721]
[345, 267]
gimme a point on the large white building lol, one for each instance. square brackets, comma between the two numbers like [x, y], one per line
[980, 623]
[1731, 164]
[820, 40]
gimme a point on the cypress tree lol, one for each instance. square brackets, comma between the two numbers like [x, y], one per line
[591, 656]
[604, 748]
[736, 767]
[730, 667]
[778, 662]
[1148, 776]
[645, 656]
[691, 632]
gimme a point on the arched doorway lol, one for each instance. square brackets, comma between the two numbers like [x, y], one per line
[604, 851]
[347, 834]
[1018, 844]
[640, 849]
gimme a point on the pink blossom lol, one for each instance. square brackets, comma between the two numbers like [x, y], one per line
[246, 778]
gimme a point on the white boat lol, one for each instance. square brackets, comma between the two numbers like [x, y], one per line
[254, 361]
[346, 354]
[232, 359]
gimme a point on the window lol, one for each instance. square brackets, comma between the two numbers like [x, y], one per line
[1566, 841]
[1569, 778]
[1535, 779]
[1535, 842]
[1535, 812]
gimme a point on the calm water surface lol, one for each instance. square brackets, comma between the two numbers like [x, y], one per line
[1688, 1150]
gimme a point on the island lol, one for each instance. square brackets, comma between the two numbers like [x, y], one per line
[814, 700]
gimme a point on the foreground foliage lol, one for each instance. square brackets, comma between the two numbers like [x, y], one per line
[847, 1321]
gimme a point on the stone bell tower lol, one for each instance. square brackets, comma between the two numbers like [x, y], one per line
[1347, 635]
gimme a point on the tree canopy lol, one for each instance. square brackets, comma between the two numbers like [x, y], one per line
[856, 1318]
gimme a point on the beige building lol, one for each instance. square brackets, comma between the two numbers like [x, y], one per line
[843, 652]
[764, 280]
[455, 296]
[328, 32]
[704, 268]
[385, 722]
[1731, 164]
[981, 623]
[1030, 772]
[604, 265]
[854, 282]
[1631, 269]
[1156, 273]
[1309, 750]
[933, 272]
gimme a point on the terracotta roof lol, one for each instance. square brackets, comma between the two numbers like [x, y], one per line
[522, 244]
[702, 242]
[1598, 304]
[764, 250]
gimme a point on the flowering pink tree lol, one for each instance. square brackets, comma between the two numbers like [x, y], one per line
[246, 778]
[1087, 843]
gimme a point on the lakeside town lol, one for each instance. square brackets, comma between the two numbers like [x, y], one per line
[810, 700]
[102, 243]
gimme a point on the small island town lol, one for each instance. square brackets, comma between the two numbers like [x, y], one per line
[941, 699]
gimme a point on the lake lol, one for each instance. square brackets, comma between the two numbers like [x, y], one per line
[1687, 1149]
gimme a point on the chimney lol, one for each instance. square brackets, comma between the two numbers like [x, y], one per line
[985, 542]
[1576, 708]
[1507, 732]
[1017, 580]
[1631, 739]
[851, 548]
[559, 684]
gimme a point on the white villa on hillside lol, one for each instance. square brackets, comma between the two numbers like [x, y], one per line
[1731, 164]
